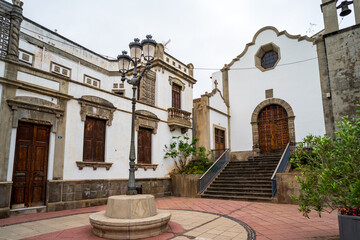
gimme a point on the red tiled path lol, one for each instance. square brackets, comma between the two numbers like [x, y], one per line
[270, 221]
[84, 233]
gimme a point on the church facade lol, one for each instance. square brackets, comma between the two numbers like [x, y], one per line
[66, 120]
[281, 88]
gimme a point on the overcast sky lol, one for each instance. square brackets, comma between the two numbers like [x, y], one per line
[207, 33]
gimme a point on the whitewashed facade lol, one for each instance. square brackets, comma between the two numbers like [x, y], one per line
[58, 83]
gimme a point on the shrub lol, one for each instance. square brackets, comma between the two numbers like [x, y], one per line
[182, 151]
[331, 171]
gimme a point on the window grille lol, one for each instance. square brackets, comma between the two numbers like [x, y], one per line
[269, 59]
[4, 35]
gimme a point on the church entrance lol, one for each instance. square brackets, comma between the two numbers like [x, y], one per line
[30, 165]
[273, 128]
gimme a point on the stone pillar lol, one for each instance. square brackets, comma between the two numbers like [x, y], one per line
[16, 18]
[225, 79]
[191, 69]
[357, 11]
[328, 8]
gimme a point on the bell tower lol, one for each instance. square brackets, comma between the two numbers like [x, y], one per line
[328, 8]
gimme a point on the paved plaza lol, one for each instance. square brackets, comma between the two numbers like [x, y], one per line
[192, 218]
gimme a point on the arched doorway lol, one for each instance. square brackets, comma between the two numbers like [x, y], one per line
[256, 117]
[273, 128]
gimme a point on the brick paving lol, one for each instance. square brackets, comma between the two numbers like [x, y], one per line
[268, 220]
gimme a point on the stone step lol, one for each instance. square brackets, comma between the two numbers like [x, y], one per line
[248, 181]
[240, 189]
[238, 198]
[231, 178]
[245, 185]
[238, 193]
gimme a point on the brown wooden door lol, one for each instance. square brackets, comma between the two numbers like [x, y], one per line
[144, 145]
[94, 140]
[273, 128]
[219, 142]
[30, 165]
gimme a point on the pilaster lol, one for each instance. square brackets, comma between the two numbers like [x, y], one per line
[328, 8]
[16, 18]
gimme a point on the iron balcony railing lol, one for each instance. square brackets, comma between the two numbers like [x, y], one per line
[214, 170]
[280, 168]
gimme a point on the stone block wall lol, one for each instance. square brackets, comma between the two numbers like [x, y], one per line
[5, 191]
[67, 194]
[339, 62]
[287, 186]
[186, 185]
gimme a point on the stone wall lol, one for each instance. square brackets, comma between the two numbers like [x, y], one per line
[84, 193]
[5, 190]
[287, 186]
[186, 185]
[339, 63]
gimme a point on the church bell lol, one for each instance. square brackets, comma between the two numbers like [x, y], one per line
[345, 8]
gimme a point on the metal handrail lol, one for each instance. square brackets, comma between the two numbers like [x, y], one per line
[214, 170]
[280, 168]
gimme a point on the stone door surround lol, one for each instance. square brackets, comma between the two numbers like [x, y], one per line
[254, 120]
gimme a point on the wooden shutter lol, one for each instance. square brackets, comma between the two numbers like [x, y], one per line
[94, 140]
[176, 96]
[144, 145]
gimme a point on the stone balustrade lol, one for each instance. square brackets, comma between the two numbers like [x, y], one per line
[178, 118]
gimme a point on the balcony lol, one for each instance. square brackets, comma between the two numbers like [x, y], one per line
[178, 118]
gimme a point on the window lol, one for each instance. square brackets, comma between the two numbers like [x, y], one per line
[92, 81]
[176, 96]
[119, 92]
[269, 59]
[144, 145]
[61, 70]
[94, 140]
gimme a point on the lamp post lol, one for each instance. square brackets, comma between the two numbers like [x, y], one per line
[145, 49]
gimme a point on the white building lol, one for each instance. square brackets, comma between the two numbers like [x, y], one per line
[66, 119]
[271, 96]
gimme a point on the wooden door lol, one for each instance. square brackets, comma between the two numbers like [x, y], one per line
[273, 128]
[30, 165]
[219, 142]
[144, 145]
[94, 140]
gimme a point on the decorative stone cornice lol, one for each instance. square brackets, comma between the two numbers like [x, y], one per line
[145, 166]
[96, 107]
[146, 119]
[94, 165]
[177, 81]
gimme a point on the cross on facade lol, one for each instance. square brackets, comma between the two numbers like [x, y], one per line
[216, 83]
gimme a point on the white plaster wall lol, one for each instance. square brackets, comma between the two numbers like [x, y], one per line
[47, 83]
[2, 69]
[117, 142]
[20, 92]
[218, 103]
[297, 84]
[219, 120]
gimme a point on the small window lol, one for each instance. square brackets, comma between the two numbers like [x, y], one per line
[269, 59]
[94, 140]
[176, 96]
[61, 70]
[119, 92]
[92, 81]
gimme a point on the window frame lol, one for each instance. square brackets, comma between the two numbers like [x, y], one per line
[176, 96]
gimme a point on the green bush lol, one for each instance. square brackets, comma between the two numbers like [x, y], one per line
[182, 151]
[330, 178]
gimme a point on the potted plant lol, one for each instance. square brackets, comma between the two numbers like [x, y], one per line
[190, 164]
[330, 176]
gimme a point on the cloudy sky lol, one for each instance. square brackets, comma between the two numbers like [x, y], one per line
[207, 33]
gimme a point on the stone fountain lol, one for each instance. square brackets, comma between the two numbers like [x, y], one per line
[130, 217]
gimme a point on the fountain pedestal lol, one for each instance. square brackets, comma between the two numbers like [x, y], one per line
[130, 217]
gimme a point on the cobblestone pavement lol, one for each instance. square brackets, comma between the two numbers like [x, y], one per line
[192, 218]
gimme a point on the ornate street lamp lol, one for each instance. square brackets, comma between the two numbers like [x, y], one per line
[145, 49]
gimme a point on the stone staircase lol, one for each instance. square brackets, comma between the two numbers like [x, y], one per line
[245, 180]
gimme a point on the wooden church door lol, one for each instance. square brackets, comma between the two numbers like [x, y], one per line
[273, 128]
[30, 165]
[219, 142]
